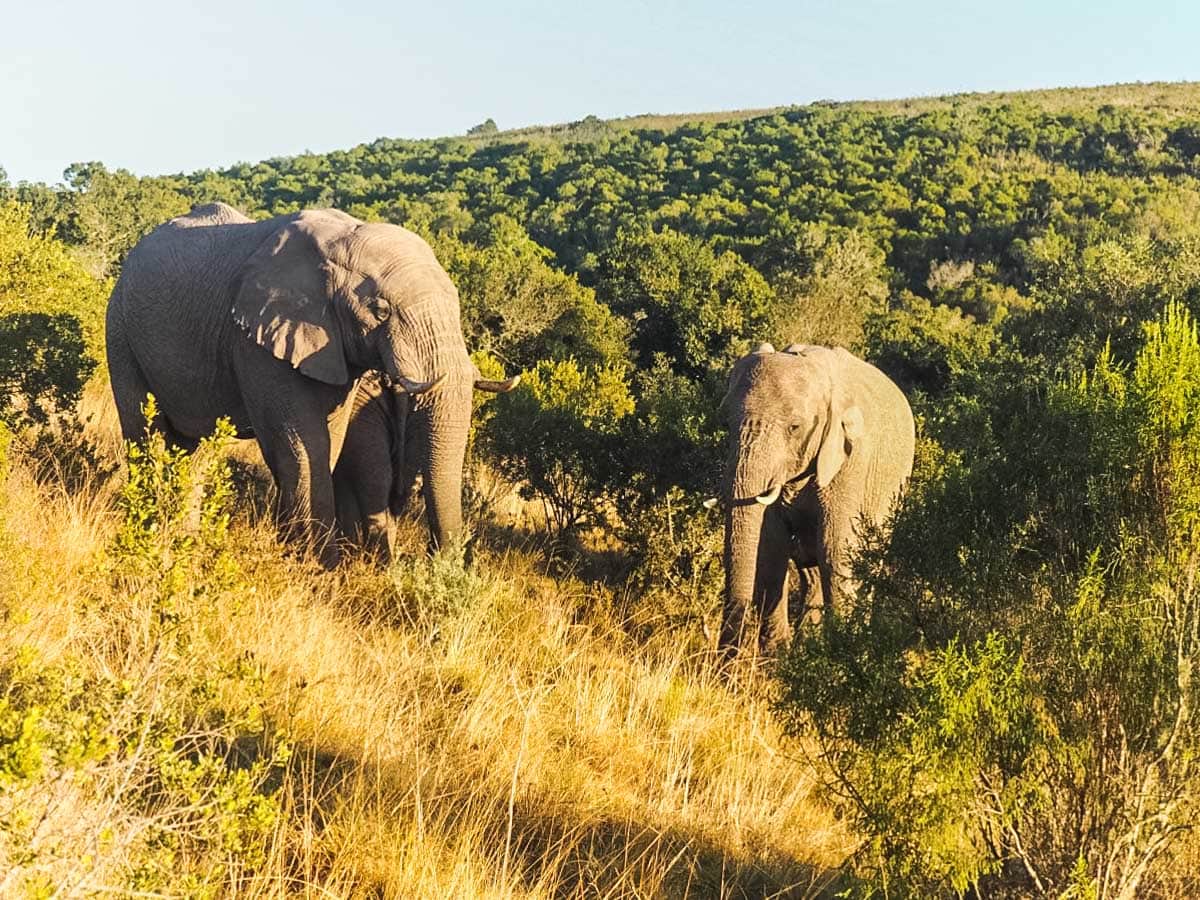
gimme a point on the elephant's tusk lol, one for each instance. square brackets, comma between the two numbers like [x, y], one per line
[417, 387]
[710, 503]
[497, 387]
[766, 498]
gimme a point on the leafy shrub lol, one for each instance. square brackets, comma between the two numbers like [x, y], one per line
[677, 548]
[1010, 706]
[924, 347]
[675, 437]
[437, 588]
[697, 307]
[557, 435]
[144, 721]
[672, 452]
[51, 322]
[827, 283]
[176, 518]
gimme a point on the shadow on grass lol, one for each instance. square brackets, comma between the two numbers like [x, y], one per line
[541, 843]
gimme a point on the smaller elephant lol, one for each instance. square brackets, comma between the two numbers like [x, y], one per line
[373, 479]
[821, 444]
[381, 456]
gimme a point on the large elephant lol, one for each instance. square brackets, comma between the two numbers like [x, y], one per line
[272, 324]
[380, 460]
[821, 444]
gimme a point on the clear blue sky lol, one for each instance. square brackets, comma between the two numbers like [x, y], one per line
[177, 85]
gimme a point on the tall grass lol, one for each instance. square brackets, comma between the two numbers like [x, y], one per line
[439, 730]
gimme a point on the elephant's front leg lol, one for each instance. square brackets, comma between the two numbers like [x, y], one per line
[840, 545]
[291, 416]
[771, 584]
[296, 450]
[807, 554]
[812, 597]
[306, 509]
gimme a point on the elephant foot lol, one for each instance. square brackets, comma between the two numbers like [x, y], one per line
[812, 616]
[330, 556]
[770, 644]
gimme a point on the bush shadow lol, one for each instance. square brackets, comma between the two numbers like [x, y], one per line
[533, 836]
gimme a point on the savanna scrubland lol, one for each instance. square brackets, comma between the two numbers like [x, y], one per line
[188, 709]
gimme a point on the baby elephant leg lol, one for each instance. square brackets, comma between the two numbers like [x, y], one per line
[363, 480]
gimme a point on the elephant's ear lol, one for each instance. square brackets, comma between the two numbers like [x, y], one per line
[839, 442]
[283, 301]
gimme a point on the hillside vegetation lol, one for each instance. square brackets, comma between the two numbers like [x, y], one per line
[1009, 709]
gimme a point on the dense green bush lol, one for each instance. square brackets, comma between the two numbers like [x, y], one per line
[519, 308]
[1010, 706]
[926, 347]
[558, 434]
[827, 282]
[697, 308]
[140, 718]
[51, 322]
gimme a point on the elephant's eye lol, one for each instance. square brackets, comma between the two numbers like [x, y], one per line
[381, 310]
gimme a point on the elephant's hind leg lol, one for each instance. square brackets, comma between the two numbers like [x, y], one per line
[131, 389]
[811, 597]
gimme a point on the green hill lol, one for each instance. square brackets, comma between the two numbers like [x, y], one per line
[1172, 97]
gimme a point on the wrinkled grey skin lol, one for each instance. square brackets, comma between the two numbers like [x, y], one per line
[374, 476]
[381, 457]
[836, 436]
[272, 324]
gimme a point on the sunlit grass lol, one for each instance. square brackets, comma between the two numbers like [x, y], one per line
[514, 741]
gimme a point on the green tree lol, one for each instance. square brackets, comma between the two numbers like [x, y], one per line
[699, 308]
[518, 307]
[486, 127]
[829, 284]
[926, 347]
[109, 212]
[51, 321]
[557, 436]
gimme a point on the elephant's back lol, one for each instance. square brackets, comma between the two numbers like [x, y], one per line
[173, 301]
[186, 266]
[889, 419]
[208, 214]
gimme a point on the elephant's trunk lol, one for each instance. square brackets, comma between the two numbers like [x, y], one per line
[755, 467]
[442, 424]
[428, 347]
[743, 528]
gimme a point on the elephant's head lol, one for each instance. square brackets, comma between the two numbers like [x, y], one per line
[336, 297]
[791, 428]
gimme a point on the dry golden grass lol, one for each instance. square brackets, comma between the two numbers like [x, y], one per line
[479, 732]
